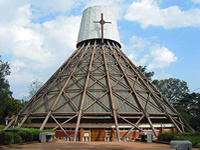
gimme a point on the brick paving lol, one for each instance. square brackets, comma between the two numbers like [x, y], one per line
[64, 145]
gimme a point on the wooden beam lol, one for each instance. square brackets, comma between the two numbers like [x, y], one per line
[133, 127]
[129, 122]
[84, 93]
[111, 94]
[60, 126]
[23, 120]
[45, 121]
[66, 121]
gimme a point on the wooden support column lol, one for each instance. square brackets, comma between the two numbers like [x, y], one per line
[24, 119]
[111, 94]
[45, 121]
[9, 124]
[113, 135]
[84, 94]
[81, 134]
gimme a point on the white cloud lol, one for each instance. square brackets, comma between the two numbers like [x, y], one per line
[161, 57]
[35, 50]
[148, 52]
[196, 1]
[161, 75]
[139, 43]
[147, 12]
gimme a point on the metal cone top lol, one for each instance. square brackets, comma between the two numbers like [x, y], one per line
[90, 30]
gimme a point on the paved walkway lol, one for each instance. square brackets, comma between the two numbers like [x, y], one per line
[64, 145]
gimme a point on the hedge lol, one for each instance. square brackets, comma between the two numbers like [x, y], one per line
[19, 135]
[194, 138]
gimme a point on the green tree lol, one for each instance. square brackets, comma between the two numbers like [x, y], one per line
[189, 108]
[5, 92]
[173, 89]
[143, 69]
[13, 106]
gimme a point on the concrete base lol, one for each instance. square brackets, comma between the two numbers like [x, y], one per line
[181, 145]
[149, 136]
[43, 137]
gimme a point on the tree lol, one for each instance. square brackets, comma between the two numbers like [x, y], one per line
[173, 89]
[33, 87]
[189, 108]
[13, 106]
[5, 92]
[143, 69]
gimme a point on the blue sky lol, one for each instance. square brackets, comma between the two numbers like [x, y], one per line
[36, 37]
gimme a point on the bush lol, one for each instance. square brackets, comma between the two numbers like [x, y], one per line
[194, 138]
[17, 138]
[26, 136]
[19, 135]
[166, 137]
[6, 138]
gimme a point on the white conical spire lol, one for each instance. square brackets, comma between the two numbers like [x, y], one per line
[90, 30]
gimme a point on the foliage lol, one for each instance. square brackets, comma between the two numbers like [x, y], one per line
[173, 89]
[28, 120]
[13, 106]
[194, 138]
[17, 138]
[143, 69]
[24, 132]
[166, 136]
[27, 136]
[5, 92]
[6, 138]
[189, 108]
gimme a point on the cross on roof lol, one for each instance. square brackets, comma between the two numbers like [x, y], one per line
[102, 22]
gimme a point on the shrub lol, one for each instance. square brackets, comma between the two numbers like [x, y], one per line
[26, 136]
[17, 138]
[19, 135]
[166, 136]
[194, 138]
[6, 138]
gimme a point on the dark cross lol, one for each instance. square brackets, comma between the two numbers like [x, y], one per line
[102, 22]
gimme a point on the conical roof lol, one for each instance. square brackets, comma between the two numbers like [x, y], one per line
[97, 84]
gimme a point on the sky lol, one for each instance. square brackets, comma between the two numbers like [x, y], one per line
[36, 37]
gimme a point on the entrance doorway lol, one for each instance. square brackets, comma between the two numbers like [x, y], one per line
[97, 134]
